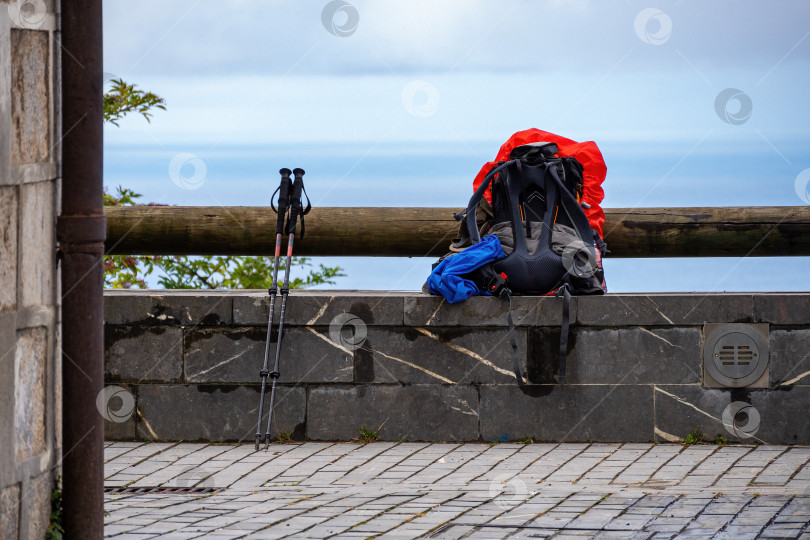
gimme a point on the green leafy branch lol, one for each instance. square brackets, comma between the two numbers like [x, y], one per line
[124, 98]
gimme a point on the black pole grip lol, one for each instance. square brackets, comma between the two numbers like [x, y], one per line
[283, 198]
[295, 200]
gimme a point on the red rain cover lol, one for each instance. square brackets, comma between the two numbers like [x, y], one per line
[587, 153]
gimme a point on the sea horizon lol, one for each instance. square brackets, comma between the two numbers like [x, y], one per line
[745, 172]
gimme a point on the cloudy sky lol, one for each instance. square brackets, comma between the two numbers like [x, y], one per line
[271, 72]
[693, 103]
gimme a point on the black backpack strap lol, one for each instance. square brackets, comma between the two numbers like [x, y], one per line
[575, 213]
[486, 278]
[469, 213]
[564, 329]
[577, 216]
[553, 196]
[600, 243]
[513, 341]
[514, 189]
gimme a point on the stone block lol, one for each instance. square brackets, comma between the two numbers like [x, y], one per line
[419, 412]
[57, 387]
[438, 355]
[34, 316]
[5, 101]
[121, 424]
[617, 355]
[214, 308]
[223, 356]
[194, 309]
[319, 308]
[783, 415]
[782, 308]
[679, 410]
[790, 357]
[30, 360]
[28, 16]
[237, 356]
[429, 310]
[30, 90]
[123, 308]
[251, 308]
[37, 234]
[782, 412]
[38, 505]
[8, 346]
[214, 413]
[140, 353]
[663, 309]
[8, 247]
[10, 512]
[569, 413]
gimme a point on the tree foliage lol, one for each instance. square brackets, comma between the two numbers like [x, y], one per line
[124, 98]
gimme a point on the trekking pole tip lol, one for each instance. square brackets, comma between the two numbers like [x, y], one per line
[298, 172]
[285, 172]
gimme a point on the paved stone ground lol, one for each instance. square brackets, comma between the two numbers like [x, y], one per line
[405, 490]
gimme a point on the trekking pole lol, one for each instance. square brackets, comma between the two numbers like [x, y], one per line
[283, 205]
[295, 209]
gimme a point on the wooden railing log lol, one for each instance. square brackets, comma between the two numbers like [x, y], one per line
[418, 232]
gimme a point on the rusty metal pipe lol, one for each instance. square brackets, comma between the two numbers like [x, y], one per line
[81, 231]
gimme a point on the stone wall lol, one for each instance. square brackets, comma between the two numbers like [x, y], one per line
[185, 365]
[30, 415]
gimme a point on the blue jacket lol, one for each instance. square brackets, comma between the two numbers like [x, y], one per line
[446, 279]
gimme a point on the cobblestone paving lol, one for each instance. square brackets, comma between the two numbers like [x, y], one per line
[405, 490]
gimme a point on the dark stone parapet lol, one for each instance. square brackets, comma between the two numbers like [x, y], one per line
[414, 367]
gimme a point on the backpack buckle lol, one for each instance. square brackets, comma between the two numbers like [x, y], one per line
[497, 284]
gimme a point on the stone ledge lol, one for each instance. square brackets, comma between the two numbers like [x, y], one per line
[383, 308]
[426, 370]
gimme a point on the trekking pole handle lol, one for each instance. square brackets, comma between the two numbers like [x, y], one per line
[295, 200]
[283, 198]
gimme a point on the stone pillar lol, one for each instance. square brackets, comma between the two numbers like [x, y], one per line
[30, 396]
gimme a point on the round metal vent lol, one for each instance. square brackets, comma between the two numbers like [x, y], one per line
[736, 355]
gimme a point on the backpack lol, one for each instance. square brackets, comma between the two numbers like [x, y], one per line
[534, 183]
